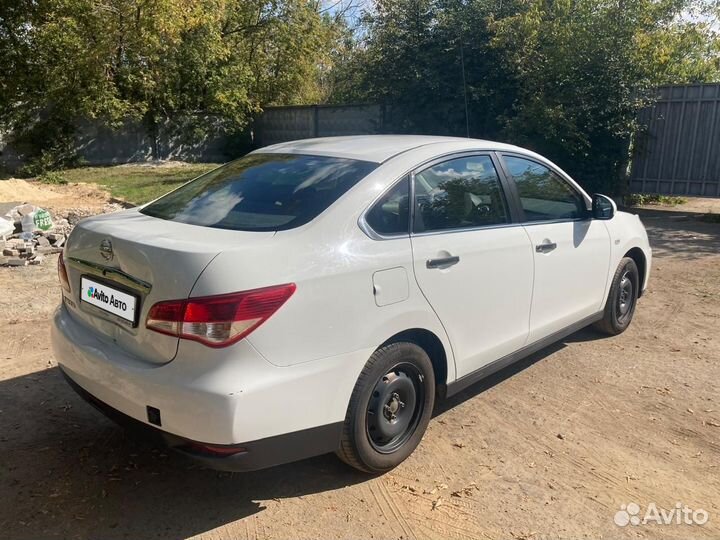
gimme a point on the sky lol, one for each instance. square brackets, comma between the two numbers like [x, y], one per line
[352, 10]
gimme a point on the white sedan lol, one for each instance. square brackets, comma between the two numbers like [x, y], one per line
[320, 295]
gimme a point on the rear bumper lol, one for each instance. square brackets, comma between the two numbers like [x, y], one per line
[248, 456]
[231, 398]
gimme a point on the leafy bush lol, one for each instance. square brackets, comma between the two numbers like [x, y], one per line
[53, 177]
[45, 145]
[643, 199]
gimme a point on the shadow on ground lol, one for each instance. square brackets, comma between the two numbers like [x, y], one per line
[74, 473]
[680, 233]
[586, 334]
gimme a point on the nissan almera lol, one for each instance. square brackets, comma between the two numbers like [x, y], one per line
[319, 296]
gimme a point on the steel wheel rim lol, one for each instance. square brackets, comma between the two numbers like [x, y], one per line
[395, 407]
[626, 297]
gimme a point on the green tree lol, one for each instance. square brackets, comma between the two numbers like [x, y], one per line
[564, 77]
[65, 60]
[585, 67]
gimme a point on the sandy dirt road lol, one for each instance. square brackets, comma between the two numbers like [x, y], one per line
[549, 448]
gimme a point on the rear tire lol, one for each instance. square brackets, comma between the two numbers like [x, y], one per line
[389, 409]
[622, 299]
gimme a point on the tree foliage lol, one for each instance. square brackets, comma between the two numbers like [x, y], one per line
[565, 77]
[64, 60]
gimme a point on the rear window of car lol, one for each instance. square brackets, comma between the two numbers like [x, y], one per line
[262, 192]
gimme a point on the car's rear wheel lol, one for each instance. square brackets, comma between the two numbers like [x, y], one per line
[389, 409]
[620, 305]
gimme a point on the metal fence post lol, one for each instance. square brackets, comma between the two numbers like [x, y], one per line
[316, 121]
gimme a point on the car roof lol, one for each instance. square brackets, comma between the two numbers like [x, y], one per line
[377, 148]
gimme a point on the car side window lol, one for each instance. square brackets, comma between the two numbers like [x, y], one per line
[390, 215]
[544, 195]
[457, 194]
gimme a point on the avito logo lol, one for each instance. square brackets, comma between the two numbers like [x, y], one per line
[630, 514]
[97, 294]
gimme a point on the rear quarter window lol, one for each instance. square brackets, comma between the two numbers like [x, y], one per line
[262, 192]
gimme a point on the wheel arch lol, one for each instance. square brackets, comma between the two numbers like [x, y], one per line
[637, 255]
[432, 345]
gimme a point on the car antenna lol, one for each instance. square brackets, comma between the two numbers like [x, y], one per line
[462, 66]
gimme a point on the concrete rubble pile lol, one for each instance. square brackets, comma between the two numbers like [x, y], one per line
[29, 233]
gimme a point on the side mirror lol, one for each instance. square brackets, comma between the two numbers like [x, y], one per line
[603, 207]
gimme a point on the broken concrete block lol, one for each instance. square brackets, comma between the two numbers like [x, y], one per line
[25, 209]
[16, 262]
[9, 252]
[48, 250]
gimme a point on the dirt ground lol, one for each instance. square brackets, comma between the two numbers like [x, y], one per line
[60, 198]
[548, 448]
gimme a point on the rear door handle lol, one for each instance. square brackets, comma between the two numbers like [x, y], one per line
[442, 263]
[545, 247]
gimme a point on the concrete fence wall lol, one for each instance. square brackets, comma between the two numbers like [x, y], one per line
[280, 124]
[677, 152]
[10, 160]
[96, 143]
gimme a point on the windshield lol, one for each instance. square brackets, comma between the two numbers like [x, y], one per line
[262, 192]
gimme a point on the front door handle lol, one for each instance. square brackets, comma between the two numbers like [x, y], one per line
[442, 263]
[545, 247]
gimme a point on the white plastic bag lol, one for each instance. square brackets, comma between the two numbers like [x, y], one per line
[6, 227]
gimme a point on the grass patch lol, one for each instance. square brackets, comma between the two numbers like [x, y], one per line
[642, 199]
[55, 177]
[138, 184]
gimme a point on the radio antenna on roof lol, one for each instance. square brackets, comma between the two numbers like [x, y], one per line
[462, 66]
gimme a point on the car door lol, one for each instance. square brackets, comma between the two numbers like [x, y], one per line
[571, 250]
[472, 263]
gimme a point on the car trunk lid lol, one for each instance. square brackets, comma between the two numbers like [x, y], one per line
[147, 258]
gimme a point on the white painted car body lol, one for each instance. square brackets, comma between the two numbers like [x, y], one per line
[294, 374]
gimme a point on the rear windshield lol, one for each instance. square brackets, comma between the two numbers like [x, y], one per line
[262, 192]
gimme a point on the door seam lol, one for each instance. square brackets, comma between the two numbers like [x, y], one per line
[532, 287]
[417, 284]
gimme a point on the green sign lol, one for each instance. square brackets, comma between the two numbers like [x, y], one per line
[42, 220]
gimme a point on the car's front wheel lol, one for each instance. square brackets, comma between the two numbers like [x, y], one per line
[620, 305]
[389, 409]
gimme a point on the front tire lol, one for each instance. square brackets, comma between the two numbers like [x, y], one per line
[389, 409]
[620, 305]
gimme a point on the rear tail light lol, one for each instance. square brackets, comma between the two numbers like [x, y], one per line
[62, 274]
[218, 321]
